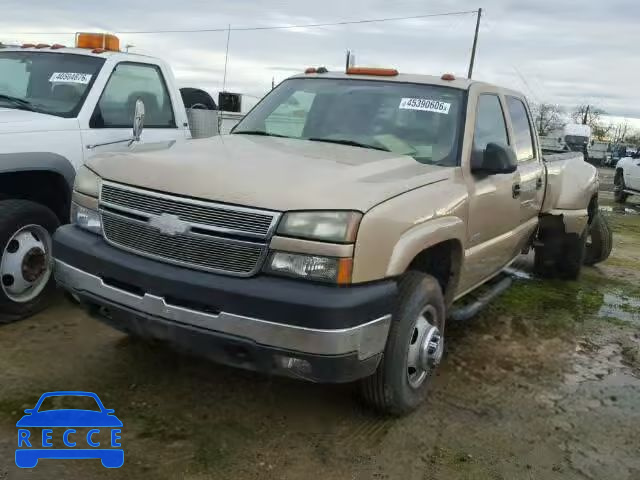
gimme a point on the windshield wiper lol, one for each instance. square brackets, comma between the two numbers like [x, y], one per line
[20, 102]
[260, 132]
[352, 143]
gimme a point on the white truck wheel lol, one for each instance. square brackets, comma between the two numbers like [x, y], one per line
[26, 280]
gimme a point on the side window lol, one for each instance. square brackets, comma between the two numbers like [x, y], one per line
[523, 137]
[129, 82]
[490, 124]
[290, 117]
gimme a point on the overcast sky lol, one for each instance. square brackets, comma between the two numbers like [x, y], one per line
[558, 51]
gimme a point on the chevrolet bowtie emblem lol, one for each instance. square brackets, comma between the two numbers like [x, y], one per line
[168, 224]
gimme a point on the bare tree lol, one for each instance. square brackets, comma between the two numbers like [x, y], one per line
[587, 115]
[620, 132]
[634, 139]
[601, 132]
[547, 117]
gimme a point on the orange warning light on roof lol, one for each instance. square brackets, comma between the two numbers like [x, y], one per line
[448, 77]
[380, 72]
[104, 41]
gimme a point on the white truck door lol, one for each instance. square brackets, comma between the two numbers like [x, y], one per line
[111, 121]
[633, 167]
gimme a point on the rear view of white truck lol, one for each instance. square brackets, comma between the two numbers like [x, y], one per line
[59, 107]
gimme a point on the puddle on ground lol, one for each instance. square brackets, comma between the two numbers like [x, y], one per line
[620, 210]
[620, 307]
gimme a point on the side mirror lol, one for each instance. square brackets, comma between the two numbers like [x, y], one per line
[29, 411]
[138, 121]
[496, 159]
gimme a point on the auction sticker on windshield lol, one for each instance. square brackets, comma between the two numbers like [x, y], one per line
[425, 105]
[69, 77]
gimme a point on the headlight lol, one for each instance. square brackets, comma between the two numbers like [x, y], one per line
[87, 182]
[327, 226]
[86, 218]
[311, 267]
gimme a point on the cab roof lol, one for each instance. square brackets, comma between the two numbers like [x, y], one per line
[459, 83]
[87, 52]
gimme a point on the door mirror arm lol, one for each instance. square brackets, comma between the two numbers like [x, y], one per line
[138, 127]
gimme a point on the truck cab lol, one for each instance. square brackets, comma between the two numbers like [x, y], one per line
[59, 107]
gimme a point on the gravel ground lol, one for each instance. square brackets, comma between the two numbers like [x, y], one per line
[544, 384]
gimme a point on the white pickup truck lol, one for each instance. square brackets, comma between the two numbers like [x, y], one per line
[59, 107]
[627, 178]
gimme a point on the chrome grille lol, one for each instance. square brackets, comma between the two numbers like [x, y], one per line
[218, 217]
[199, 251]
[193, 233]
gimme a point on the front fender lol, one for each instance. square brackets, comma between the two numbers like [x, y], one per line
[421, 237]
[37, 161]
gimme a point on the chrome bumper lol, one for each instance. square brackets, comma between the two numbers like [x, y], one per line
[366, 340]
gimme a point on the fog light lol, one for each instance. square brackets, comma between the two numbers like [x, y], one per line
[297, 366]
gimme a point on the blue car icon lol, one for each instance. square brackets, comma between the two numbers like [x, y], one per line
[29, 452]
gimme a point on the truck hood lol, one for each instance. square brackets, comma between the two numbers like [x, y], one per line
[22, 121]
[272, 173]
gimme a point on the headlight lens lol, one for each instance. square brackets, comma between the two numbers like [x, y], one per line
[311, 267]
[87, 182]
[86, 218]
[327, 226]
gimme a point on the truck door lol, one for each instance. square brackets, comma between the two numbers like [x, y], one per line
[530, 167]
[111, 121]
[633, 167]
[494, 238]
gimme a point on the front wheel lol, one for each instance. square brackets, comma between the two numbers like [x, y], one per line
[414, 347]
[619, 188]
[26, 278]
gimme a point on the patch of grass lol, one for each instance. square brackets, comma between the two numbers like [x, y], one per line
[12, 407]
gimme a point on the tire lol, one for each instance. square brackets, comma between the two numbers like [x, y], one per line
[561, 255]
[600, 245]
[25, 243]
[196, 98]
[394, 388]
[618, 188]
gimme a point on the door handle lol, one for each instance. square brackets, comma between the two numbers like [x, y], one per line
[516, 190]
[539, 183]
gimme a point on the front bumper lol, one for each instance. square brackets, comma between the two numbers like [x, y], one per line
[321, 333]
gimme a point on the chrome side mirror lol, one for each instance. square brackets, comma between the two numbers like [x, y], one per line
[138, 121]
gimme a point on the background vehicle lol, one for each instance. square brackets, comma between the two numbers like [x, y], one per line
[627, 178]
[58, 108]
[599, 153]
[334, 244]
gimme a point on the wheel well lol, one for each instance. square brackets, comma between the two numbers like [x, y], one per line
[443, 262]
[592, 209]
[44, 187]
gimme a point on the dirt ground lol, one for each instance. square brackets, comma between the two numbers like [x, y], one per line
[545, 384]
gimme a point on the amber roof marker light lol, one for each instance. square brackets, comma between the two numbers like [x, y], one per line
[378, 72]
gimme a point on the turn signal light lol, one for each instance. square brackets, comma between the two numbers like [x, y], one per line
[98, 40]
[380, 72]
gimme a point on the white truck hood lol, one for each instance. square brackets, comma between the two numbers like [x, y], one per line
[22, 121]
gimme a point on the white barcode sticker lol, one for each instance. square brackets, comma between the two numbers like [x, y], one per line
[69, 77]
[425, 105]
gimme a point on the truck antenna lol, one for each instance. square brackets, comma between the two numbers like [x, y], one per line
[475, 45]
[226, 60]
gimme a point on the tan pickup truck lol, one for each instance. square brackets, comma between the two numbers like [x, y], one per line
[328, 237]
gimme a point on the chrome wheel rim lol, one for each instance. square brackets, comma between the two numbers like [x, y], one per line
[26, 262]
[425, 349]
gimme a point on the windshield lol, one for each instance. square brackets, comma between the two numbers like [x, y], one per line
[53, 83]
[422, 121]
